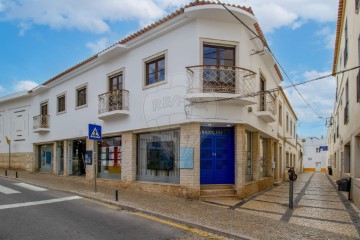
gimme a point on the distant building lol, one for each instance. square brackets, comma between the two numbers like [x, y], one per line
[315, 154]
[344, 124]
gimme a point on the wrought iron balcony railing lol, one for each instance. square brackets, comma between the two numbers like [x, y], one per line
[267, 102]
[220, 79]
[113, 100]
[41, 121]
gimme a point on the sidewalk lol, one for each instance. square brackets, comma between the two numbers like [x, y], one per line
[212, 218]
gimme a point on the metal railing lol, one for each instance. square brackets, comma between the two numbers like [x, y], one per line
[267, 102]
[113, 100]
[41, 121]
[220, 79]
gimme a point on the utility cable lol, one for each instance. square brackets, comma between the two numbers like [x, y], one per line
[307, 103]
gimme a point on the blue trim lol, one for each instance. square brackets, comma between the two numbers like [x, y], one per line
[217, 162]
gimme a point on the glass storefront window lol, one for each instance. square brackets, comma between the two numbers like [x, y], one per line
[158, 157]
[109, 165]
[262, 157]
[46, 158]
[248, 147]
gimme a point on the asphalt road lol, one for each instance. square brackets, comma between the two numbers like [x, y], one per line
[39, 213]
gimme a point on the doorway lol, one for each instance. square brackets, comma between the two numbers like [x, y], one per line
[217, 165]
[318, 166]
[76, 158]
[45, 158]
[60, 157]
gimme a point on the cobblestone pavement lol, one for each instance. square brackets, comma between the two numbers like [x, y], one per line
[317, 204]
[316, 215]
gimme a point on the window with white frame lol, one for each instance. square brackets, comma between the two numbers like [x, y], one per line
[81, 96]
[61, 103]
[155, 70]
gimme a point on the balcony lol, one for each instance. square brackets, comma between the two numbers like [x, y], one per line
[267, 108]
[218, 82]
[41, 124]
[113, 104]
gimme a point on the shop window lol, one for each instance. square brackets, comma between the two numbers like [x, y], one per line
[158, 157]
[248, 147]
[262, 157]
[287, 160]
[110, 155]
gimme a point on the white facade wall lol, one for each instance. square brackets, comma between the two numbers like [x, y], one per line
[345, 133]
[314, 158]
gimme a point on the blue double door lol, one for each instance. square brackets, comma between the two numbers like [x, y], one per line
[217, 164]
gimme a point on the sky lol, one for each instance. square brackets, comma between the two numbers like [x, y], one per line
[42, 38]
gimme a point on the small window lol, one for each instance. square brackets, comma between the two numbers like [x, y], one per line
[280, 114]
[287, 122]
[155, 70]
[61, 103]
[357, 6]
[81, 96]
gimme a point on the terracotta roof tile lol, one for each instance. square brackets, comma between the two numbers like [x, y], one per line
[338, 34]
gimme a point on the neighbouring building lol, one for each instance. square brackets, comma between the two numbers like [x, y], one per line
[287, 138]
[315, 154]
[344, 125]
[182, 103]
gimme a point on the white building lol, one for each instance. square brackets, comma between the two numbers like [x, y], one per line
[182, 104]
[315, 154]
[344, 125]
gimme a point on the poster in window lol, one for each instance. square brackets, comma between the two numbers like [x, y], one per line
[160, 155]
[103, 156]
[111, 149]
[111, 156]
[103, 149]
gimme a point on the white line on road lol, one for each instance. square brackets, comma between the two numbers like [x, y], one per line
[7, 190]
[26, 204]
[30, 187]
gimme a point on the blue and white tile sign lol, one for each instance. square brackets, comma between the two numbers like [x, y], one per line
[94, 132]
[186, 158]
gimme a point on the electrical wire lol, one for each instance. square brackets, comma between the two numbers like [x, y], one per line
[287, 76]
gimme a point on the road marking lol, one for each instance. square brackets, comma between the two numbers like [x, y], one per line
[7, 190]
[26, 204]
[30, 187]
[177, 225]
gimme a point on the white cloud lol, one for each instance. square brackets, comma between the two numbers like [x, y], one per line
[292, 13]
[84, 15]
[90, 16]
[98, 46]
[328, 36]
[2, 89]
[319, 94]
[24, 85]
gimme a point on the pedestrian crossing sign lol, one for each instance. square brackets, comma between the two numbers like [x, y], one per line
[94, 132]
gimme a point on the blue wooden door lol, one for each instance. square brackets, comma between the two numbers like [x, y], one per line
[217, 156]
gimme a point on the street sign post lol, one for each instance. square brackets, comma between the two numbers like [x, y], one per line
[94, 134]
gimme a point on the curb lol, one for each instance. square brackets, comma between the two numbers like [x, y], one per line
[134, 209]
